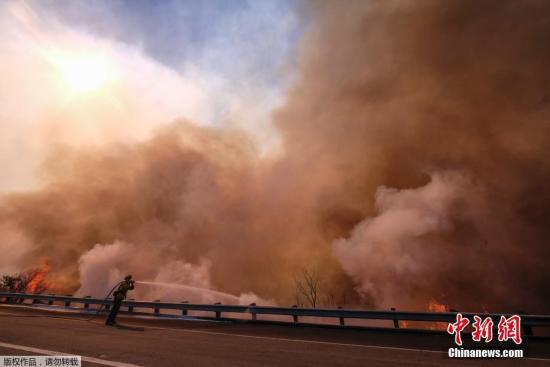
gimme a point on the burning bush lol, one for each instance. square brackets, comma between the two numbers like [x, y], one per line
[30, 281]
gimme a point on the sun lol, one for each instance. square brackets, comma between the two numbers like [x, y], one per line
[83, 73]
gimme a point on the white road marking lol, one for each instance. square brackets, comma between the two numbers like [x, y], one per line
[53, 353]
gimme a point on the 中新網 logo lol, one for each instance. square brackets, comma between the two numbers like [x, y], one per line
[508, 329]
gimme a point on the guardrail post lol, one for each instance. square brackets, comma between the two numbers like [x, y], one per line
[395, 321]
[183, 310]
[218, 313]
[295, 317]
[50, 302]
[108, 305]
[87, 305]
[68, 303]
[131, 308]
[157, 310]
[342, 323]
[35, 301]
[253, 313]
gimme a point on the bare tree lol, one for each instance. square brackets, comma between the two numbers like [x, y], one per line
[13, 283]
[343, 302]
[298, 299]
[329, 300]
[307, 285]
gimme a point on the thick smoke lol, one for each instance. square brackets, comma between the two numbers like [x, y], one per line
[415, 167]
[393, 90]
[411, 242]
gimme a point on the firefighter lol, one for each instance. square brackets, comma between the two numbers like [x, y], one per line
[120, 294]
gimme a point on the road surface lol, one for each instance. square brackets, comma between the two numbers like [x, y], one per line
[201, 343]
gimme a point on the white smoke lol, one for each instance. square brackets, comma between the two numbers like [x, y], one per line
[387, 255]
[102, 267]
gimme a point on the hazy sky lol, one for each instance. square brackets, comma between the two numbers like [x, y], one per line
[81, 72]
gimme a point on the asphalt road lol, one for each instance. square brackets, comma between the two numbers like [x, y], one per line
[200, 343]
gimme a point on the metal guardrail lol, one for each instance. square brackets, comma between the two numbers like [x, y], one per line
[528, 321]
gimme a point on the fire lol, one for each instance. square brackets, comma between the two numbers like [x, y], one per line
[37, 278]
[434, 306]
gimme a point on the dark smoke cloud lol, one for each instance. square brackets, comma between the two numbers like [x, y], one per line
[393, 91]
[415, 167]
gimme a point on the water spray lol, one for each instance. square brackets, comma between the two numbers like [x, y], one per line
[190, 288]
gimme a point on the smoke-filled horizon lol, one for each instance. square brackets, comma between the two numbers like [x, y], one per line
[414, 158]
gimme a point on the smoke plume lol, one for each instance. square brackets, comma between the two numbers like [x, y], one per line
[414, 167]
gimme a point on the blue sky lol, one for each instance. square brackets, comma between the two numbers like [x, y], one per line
[228, 37]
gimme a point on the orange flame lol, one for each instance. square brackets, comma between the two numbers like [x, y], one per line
[434, 306]
[37, 279]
